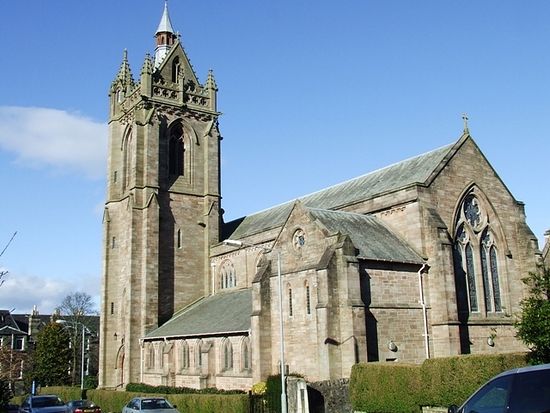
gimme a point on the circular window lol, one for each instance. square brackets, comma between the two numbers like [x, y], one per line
[299, 238]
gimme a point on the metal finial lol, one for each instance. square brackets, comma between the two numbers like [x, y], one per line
[465, 119]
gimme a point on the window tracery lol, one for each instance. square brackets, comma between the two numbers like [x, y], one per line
[476, 259]
[228, 277]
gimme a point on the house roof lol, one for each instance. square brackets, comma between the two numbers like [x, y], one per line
[373, 239]
[417, 170]
[224, 313]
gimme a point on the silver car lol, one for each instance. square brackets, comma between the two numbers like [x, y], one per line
[149, 405]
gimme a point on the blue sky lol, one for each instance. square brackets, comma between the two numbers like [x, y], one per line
[312, 94]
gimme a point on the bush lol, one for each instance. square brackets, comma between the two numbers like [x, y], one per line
[146, 388]
[114, 401]
[399, 388]
[450, 380]
[5, 393]
[385, 388]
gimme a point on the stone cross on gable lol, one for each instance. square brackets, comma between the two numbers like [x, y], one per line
[465, 119]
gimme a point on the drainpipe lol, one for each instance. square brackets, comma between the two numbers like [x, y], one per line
[141, 344]
[424, 313]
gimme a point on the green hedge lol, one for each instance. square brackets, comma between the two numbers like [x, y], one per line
[399, 388]
[450, 380]
[385, 388]
[114, 401]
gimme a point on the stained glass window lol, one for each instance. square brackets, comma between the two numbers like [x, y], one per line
[471, 210]
[470, 274]
[494, 276]
[475, 259]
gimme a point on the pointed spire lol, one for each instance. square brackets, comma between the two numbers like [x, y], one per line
[124, 74]
[165, 25]
[210, 81]
[465, 119]
[165, 36]
[147, 67]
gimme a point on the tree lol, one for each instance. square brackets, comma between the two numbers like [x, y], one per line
[533, 327]
[11, 364]
[4, 272]
[77, 305]
[51, 356]
[74, 308]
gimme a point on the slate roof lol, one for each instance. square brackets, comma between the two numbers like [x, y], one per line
[415, 170]
[373, 239]
[223, 313]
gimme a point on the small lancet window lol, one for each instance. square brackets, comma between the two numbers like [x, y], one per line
[184, 355]
[227, 355]
[290, 309]
[179, 239]
[175, 69]
[308, 300]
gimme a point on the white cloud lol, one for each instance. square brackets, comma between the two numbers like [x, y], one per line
[51, 137]
[22, 292]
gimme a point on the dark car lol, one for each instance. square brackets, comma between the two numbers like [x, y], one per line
[10, 408]
[48, 403]
[83, 406]
[522, 390]
[149, 405]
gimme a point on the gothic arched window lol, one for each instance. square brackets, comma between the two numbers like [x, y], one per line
[175, 69]
[176, 150]
[184, 355]
[227, 355]
[128, 159]
[151, 357]
[476, 259]
[228, 278]
[290, 309]
[245, 354]
[198, 360]
[308, 299]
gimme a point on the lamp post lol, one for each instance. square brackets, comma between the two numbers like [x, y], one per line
[240, 244]
[84, 329]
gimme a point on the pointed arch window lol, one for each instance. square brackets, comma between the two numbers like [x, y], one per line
[175, 69]
[227, 355]
[290, 309]
[184, 355]
[228, 277]
[176, 150]
[308, 300]
[246, 356]
[476, 259]
[179, 239]
[151, 357]
[199, 354]
[128, 159]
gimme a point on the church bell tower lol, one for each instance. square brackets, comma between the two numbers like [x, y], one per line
[162, 211]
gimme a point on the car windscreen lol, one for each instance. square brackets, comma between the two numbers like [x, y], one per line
[154, 404]
[47, 402]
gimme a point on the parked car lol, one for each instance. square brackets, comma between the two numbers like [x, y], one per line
[521, 390]
[149, 405]
[10, 408]
[48, 403]
[83, 406]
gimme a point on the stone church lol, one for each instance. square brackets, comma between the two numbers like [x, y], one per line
[421, 259]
